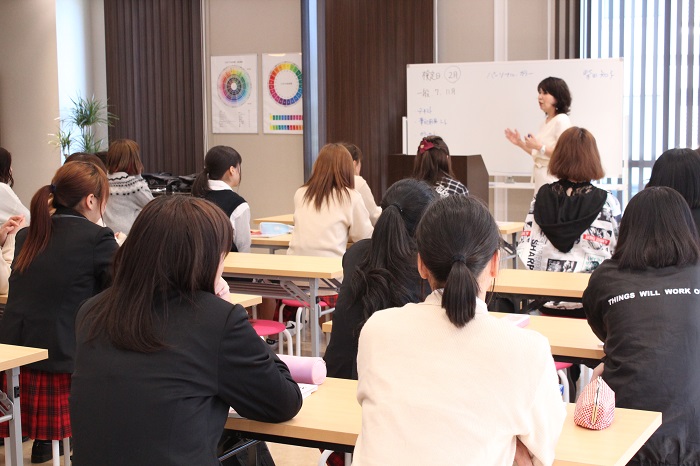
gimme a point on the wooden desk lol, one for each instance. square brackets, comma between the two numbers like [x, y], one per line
[282, 276]
[273, 243]
[11, 358]
[553, 285]
[287, 219]
[3, 299]
[512, 229]
[245, 300]
[332, 418]
[567, 337]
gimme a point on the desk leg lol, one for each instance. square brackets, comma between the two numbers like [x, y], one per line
[14, 449]
[314, 324]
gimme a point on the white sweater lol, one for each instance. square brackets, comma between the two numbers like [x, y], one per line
[432, 393]
[374, 210]
[10, 204]
[326, 232]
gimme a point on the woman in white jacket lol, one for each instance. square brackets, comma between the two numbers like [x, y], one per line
[9, 202]
[361, 185]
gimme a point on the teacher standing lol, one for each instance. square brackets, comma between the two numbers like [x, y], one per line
[554, 99]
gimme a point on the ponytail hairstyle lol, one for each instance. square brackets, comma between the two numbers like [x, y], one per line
[383, 277]
[216, 163]
[457, 238]
[6, 167]
[124, 155]
[332, 176]
[432, 160]
[174, 248]
[71, 184]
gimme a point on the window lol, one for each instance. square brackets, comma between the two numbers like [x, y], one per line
[660, 43]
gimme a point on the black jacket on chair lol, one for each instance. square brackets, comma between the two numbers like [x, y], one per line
[45, 298]
[168, 407]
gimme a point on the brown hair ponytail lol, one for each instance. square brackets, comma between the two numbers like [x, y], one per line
[71, 183]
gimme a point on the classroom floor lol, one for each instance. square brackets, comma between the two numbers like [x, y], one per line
[284, 455]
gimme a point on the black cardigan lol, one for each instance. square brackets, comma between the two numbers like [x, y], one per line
[45, 298]
[169, 407]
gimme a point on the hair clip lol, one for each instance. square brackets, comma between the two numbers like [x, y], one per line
[425, 145]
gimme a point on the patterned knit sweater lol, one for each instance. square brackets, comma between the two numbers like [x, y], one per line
[128, 194]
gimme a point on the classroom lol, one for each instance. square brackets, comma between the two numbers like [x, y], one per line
[156, 62]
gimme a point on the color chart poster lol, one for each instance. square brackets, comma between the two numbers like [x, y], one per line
[234, 100]
[282, 92]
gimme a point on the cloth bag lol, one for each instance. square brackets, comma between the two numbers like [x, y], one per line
[595, 407]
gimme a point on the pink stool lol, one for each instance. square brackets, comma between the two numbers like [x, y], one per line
[302, 306]
[561, 368]
[270, 327]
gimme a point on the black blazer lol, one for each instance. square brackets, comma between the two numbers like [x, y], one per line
[169, 407]
[45, 298]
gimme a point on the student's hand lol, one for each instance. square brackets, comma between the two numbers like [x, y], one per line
[120, 237]
[514, 137]
[522, 455]
[221, 288]
[12, 225]
[598, 371]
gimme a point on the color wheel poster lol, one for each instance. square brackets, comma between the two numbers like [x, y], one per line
[234, 106]
[282, 91]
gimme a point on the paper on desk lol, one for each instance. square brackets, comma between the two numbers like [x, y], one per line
[306, 390]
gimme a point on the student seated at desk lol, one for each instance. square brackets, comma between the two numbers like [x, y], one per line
[160, 357]
[361, 185]
[433, 165]
[221, 174]
[10, 205]
[328, 212]
[7, 243]
[128, 191]
[379, 272]
[61, 260]
[644, 304]
[572, 225]
[432, 382]
[680, 169]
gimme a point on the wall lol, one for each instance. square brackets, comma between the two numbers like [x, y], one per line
[29, 91]
[272, 164]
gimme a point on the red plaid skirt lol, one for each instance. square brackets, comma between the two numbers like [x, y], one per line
[44, 405]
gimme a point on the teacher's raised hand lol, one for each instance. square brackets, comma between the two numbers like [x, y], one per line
[513, 135]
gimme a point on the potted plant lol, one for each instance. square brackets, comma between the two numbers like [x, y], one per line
[78, 129]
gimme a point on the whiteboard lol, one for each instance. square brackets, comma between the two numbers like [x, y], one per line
[471, 104]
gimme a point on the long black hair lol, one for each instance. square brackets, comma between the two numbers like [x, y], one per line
[383, 277]
[457, 237]
[657, 230]
[217, 161]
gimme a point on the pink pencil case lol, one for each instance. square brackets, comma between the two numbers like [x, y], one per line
[305, 369]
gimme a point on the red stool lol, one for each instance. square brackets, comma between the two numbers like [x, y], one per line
[265, 328]
[302, 307]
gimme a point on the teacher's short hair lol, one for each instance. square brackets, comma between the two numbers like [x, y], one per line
[557, 88]
[576, 156]
[679, 169]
